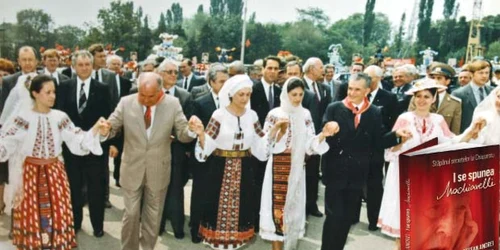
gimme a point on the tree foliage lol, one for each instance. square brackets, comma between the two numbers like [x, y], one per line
[315, 15]
[120, 25]
[369, 18]
[33, 27]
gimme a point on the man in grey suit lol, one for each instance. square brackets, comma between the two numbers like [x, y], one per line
[148, 120]
[27, 60]
[329, 71]
[174, 203]
[474, 92]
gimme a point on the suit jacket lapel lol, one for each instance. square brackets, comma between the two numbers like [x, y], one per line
[444, 103]
[470, 96]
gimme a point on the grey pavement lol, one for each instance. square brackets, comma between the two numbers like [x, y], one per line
[359, 238]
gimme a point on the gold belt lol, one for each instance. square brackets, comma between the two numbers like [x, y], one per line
[231, 153]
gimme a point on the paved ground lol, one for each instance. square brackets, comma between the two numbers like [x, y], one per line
[359, 238]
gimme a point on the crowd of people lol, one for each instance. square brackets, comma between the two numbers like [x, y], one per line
[255, 141]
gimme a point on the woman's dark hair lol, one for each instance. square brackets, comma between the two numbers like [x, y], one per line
[37, 83]
[432, 90]
[295, 83]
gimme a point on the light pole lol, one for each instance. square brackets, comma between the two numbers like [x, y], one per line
[243, 33]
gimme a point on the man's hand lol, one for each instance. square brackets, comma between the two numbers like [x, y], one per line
[330, 129]
[404, 134]
[113, 151]
[195, 125]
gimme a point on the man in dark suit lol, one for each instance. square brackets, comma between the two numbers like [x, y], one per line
[114, 64]
[174, 203]
[474, 92]
[329, 81]
[27, 60]
[188, 80]
[387, 103]
[108, 78]
[85, 100]
[203, 108]
[265, 97]
[313, 72]
[51, 60]
[348, 159]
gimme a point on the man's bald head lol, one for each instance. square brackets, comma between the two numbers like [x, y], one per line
[150, 85]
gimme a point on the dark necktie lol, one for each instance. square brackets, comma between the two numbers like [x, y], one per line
[167, 92]
[82, 102]
[97, 76]
[270, 98]
[369, 96]
[315, 92]
[186, 83]
[217, 102]
[147, 117]
[481, 94]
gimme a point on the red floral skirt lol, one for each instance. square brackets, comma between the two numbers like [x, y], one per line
[44, 218]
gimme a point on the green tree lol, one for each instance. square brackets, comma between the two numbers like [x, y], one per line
[493, 50]
[177, 14]
[162, 26]
[424, 21]
[368, 21]
[200, 8]
[398, 39]
[145, 40]
[217, 8]
[93, 35]
[491, 29]
[33, 27]
[305, 40]
[169, 19]
[234, 7]
[120, 25]
[69, 36]
[8, 34]
[316, 15]
[265, 40]
[449, 8]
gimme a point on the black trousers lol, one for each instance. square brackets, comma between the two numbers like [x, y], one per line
[312, 179]
[339, 208]
[89, 170]
[259, 170]
[199, 172]
[173, 208]
[118, 161]
[374, 193]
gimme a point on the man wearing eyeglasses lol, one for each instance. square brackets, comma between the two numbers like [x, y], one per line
[174, 202]
[188, 80]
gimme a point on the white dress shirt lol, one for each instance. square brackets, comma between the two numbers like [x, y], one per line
[266, 88]
[171, 91]
[54, 75]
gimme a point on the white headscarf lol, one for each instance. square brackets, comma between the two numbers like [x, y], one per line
[294, 200]
[231, 86]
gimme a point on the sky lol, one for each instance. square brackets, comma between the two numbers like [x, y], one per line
[277, 11]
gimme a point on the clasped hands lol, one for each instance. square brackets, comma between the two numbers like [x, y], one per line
[102, 126]
[196, 126]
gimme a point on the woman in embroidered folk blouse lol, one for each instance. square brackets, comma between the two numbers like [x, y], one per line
[282, 211]
[423, 126]
[31, 140]
[232, 135]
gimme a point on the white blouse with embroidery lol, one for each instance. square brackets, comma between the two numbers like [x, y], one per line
[41, 135]
[228, 132]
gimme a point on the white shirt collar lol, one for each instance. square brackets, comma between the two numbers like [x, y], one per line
[373, 94]
[171, 90]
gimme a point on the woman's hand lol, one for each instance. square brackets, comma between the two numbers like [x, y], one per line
[281, 125]
[330, 129]
[102, 126]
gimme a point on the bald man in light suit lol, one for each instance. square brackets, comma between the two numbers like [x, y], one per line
[147, 119]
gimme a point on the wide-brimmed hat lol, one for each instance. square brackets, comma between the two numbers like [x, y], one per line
[423, 84]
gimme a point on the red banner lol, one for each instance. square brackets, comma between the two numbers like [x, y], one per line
[450, 197]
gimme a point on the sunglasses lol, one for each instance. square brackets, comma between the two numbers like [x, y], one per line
[170, 72]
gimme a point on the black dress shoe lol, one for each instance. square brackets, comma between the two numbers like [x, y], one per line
[99, 234]
[372, 227]
[195, 239]
[107, 204]
[162, 231]
[179, 236]
[314, 211]
[117, 183]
